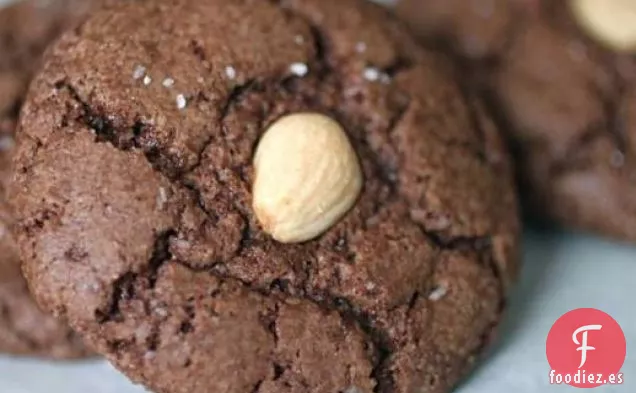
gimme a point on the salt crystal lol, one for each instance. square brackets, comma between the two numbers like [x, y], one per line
[299, 69]
[230, 72]
[162, 197]
[181, 101]
[147, 80]
[150, 355]
[90, 287]
[168, 82]
[437, 293]
[139, 72]
[361, 47]
[371, 74]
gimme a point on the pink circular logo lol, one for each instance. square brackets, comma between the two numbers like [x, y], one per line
[586, 348]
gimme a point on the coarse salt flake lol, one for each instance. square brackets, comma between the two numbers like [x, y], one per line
[437, 293]
[139, 72]
[147, 80]
[162, 197]
[168, 82]
[299, 69]
[230, 72]
[181, 101]
[371, 74]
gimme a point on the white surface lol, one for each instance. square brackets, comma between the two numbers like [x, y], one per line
[561, 272]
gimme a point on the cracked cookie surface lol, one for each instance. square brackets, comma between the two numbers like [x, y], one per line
[26, 29]
[566, 101]
[132, 188]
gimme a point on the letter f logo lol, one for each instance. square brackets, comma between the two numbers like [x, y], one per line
[583, 344]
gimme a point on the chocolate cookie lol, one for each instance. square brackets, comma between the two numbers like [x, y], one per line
[563, 81]
[166, 144]
[26, 29]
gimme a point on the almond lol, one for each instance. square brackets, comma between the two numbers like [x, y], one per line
[307, 177]
[611, 22]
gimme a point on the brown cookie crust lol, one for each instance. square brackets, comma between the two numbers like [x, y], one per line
[566, 100]
[133, 197]
[24, 329]
[26, 28]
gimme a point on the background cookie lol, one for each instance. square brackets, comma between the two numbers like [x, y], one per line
[565, 93]
[25, 30]
[133, 193]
